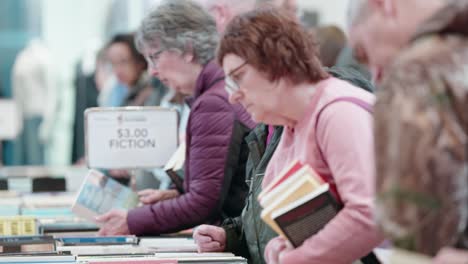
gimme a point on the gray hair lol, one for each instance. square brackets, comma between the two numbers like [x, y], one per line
[179, 25]
[358, 10]
[239, 6]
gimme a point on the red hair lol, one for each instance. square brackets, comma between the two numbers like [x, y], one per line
[274, 44]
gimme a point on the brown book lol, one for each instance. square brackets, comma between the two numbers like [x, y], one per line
[294, 188]
[305, 217]
[176, 163]
[284, 174]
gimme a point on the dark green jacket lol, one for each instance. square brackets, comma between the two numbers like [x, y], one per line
[248, 235]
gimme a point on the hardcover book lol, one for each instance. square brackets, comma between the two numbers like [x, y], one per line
[176, 163]
[305, 217]
[97, 240]
[298, 203]
[26, 244]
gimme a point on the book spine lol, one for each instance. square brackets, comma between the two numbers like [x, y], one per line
[26, 239]
[176, 180]
[99, 240]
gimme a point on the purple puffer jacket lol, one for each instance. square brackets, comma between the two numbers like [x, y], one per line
[210, 143]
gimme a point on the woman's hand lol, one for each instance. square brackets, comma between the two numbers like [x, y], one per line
[210, 238]
[151, 196]
[451, 256]
[275, 249]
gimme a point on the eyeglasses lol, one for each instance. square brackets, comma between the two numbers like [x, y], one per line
[153, 59]
[231, 85]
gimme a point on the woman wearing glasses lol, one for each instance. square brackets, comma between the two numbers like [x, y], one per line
[273, 70]
[179, 39]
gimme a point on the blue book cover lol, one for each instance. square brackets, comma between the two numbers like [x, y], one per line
[99, 194]
[93, 240]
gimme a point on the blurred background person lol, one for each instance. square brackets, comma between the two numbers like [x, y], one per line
[130, 68]
[331, 41]
[111, 92]
[179, 39]
[224, 11]
[421, 122]
[34, 90]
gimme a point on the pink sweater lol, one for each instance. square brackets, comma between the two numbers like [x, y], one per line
[345, 135]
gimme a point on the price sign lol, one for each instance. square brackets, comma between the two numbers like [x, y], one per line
[130, 137]
[11, 122]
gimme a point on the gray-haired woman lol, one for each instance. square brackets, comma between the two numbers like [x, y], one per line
[179, 39]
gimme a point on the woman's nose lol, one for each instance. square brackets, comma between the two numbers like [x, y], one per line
[153, 71]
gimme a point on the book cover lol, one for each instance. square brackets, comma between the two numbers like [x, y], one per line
[289, 194]
[160, 244]
[16, 240]
[399, 256]
[95, 240]
[140, 260]
[39, 258]
[105, 250]
[176, 163]
[18, 226]
[209, 257]
[303, 173]
[305, 217]
[26, 244]
[284, 174]
[99, 194]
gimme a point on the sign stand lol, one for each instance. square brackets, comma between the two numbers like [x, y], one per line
[11, 122]
[133, 176]
[130, 138]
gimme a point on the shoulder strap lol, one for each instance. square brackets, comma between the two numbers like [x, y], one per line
[356, 101]
[371, 258]
[363, 104]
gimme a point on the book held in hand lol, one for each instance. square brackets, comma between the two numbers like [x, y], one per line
[99, 194]
[305, 217]
[298, 203]
[176, 163]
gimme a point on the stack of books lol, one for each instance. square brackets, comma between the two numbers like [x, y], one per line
[298, 203]
[26, 244]
[31, 249]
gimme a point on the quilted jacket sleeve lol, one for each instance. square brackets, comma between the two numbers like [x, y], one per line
[210, 129]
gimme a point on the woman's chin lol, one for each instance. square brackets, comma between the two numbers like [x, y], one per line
[258, 118]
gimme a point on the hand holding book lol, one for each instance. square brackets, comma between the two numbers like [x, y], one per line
[113, 223]
[298, 203]
[152, 196]
[276, 248]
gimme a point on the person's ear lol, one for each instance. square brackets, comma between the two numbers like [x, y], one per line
[386, 7]
[188, 55]
[221, 14]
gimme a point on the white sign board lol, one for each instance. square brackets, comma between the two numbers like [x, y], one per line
[130, 137]
[11, 122]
